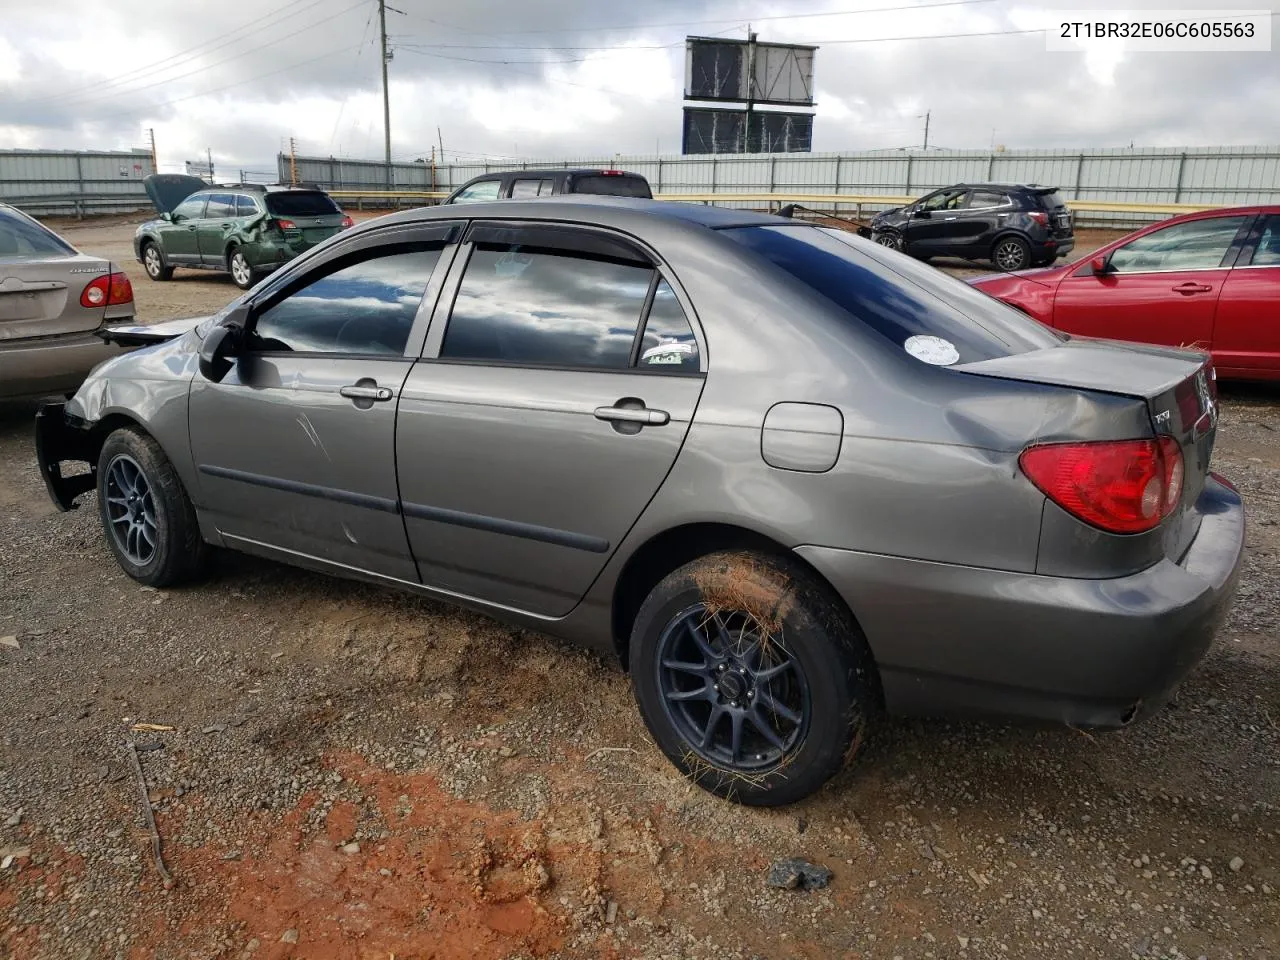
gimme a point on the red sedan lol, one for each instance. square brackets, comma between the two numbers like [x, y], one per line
[1209, 280]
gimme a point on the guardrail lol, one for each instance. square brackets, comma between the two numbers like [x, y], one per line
[818, 200]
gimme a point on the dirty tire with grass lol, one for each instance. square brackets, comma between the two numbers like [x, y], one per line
[752, 676]
[147, 517]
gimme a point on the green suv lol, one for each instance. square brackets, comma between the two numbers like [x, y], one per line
[246, 230]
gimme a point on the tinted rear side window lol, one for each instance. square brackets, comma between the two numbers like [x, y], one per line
[611, 186]
[297, 203]
[546, 307]
[894, 295]
[20, 237]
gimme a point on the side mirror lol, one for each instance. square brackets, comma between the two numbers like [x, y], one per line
[217, 352]
[166, 216]
[921, 214]
[1099, 266]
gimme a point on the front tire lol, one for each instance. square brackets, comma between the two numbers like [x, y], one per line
[146, 514]
[752, 677]
[242, 273]
[153, 262]
[891, 239]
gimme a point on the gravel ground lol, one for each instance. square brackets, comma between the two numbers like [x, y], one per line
[342, 771]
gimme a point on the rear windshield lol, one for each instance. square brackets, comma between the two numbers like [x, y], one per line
[300, 203]
[1051, 201]
[20, 237]
[612, 186]
[896, 296]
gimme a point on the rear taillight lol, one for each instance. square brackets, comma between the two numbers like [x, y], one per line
[121, 290]
[286, 225]
[1040, 217]
[1122, 486]
[347, 222]
[107, 290]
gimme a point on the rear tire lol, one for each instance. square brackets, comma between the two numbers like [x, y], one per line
[153, 262]
[752, 677]
[148, 519]
[1011, 252]
[243, 275]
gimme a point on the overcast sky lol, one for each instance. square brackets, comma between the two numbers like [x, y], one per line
[565, 78]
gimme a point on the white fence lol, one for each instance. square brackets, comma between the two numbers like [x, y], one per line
[1217, 176]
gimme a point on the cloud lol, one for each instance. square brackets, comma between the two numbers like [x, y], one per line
[565, 78]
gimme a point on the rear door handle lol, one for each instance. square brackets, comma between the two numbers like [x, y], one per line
[357, 391]
[1192, 287]
[641, 415]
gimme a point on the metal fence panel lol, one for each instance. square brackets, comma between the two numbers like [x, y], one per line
[48, 182]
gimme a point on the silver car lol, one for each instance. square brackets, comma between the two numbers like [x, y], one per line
[785, 475]
[53, 300]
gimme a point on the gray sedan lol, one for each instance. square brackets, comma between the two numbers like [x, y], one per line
[786, 476]
[53, 300]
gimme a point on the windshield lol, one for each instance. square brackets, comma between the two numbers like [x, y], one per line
[1052, 201]
[23, 237]
[896, 296]
[300, 203]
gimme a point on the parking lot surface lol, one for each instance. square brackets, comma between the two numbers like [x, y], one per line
[342, 771]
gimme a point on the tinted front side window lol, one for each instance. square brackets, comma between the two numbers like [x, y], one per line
[20, 237]
[192, 208]
[896, 296]
[484, 190]
[1194, 245]
[364, 308]
[668, 342]
[1267, 253]
[537, 306]
[298, 203]
[612, 186]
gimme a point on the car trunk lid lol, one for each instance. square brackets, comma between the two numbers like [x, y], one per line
[41, 297]
[167, 190]
[1178, 387]
[1060, 221]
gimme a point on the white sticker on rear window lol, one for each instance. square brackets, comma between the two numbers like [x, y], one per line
[935, 350]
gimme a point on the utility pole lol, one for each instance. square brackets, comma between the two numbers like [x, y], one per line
[293, 162]
[440, 136]
[386, 93]
[151, 134]
[926, 128]
[209, 150]
[751, 88]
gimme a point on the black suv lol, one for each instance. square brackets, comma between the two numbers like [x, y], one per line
[523, 184]
[1014, 225]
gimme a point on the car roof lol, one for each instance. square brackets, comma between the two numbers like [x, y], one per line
[593, 209]
[554, 172]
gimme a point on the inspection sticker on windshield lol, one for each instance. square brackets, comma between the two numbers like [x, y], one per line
[935, 350]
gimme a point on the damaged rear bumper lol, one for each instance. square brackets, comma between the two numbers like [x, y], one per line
[61, 438]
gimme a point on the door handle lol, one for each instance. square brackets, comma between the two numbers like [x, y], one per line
[358, 391]
[1191, 287]
[227, 226]
[192, 228]
[641, 415]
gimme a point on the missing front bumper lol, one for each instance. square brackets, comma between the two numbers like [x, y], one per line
[59, 439]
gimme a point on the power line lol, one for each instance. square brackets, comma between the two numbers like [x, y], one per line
[139, 72]
[229, 86]
[81, 101]
[694, 23]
